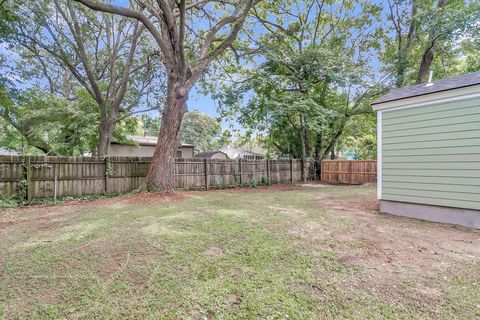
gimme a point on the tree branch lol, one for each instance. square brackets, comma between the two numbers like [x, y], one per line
[135, 14]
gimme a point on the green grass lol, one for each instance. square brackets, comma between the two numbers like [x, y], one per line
[213, 255]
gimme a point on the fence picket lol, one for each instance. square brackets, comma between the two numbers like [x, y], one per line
[349, 171]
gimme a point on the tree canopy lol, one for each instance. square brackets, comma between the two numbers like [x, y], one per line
[295, 76]
[69, 50]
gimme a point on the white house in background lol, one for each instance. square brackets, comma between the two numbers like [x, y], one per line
[6, 152]
[244, 153]
[212, 155]
[429, 151]
[146, 147]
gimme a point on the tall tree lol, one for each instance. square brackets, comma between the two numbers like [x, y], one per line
[313, 79]
[72, 46]
[425, 31]
[189, 35]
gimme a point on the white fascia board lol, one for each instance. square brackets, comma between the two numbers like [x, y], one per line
[379, 154]
[432, 98]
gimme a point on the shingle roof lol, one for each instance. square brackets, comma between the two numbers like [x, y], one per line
[235, 153]
[149, 141]
[465, 80]
[6, 152]
[207, 154]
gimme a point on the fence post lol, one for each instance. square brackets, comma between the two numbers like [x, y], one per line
[291, 170]
[206, 173]
[105, 163]
[304, 175]
[350, 174]
[254, 170]
[240, 170]
[29, 179]
[268, 172]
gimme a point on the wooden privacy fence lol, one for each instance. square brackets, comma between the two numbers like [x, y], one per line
[349, 171]
[45, 177]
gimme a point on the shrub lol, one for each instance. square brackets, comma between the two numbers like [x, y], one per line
[265, 181]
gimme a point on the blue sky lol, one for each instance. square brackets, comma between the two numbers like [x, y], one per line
[197, 99]
[201, 102]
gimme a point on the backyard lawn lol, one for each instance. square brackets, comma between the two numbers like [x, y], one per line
[280, 252]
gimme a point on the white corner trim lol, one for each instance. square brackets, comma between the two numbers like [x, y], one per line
[429, 99]
[379, 154]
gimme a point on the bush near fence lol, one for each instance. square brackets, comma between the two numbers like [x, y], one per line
[349, 171]
[43, 177]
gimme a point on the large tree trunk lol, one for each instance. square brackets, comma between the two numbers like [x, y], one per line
[106, 130]
[160, 172]
[103, 142]
[427, 59]
[429, 54]
[404, 50]
[425, 65]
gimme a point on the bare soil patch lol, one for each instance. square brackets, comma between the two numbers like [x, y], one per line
[214, 251]
[315, 185]
[393, 250]
[48, 215]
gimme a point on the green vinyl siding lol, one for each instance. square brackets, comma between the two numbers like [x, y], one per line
[443, 151]
[442, 111]
[448, 181]
[432, 186]
[432, 123]
[438, 166]
[431, 154]
[429, 158]
[466, 142]
[431, 130]
[443, 106]
[464, 134]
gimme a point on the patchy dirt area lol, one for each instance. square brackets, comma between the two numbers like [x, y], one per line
[305, 251]
[389, 242]
[393, 251]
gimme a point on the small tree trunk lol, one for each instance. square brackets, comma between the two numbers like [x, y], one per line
[305, 169]
[160, 172]
[304, 155]
[319, 154]
[332, 153]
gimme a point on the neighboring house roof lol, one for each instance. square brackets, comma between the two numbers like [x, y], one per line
[148, 141]
[6, 152]
[208, 154]
[234, 153]
[446, 84]
[255, 150]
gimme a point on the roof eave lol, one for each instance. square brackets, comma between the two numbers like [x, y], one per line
[450, 94]
[149, 144]
[422, 94]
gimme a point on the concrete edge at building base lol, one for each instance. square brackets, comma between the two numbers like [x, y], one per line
[463, 217]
